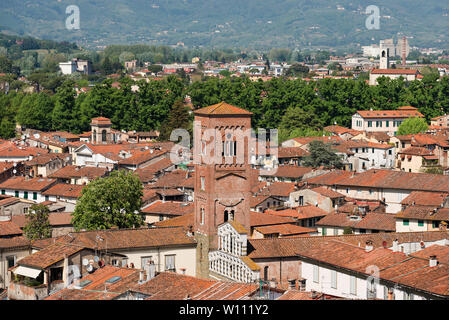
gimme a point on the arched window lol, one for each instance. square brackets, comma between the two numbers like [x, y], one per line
[265, 273]
[226, 215]
[95, 136]
[231, 215]
[383, 54]
[103, 135]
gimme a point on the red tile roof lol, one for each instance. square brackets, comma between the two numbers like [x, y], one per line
[124, 238]
[424, 198]
[23, 183]
[72, 171]
[9, 228]
[171, 208]
[416, 151]
[399, 113]
[284, 229]
[287, 171]
[395, 71]
[64, 190]
[389, 179]
[49, 255]
[328, 192]
[222, 108]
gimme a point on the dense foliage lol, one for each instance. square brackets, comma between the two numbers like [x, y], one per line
[113, 201]
[297, 107]
[38, 225]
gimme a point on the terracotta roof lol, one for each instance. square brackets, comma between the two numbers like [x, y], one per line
[256, 200]
[72, 171]
[258, 219]
[399, 113]
[181, 286]
[15, 243]
[46, 158]
[222, 108]
[394, 71]
[22, 183]
[365, 144]
[65, 190]
[173, 179]
[336, 129]
[9, 228]
[101, 119]
[328, 192]
[124, 238]
[424, 198]
[390, 179]
[142, 157]
[424, 213]
[285, 229]
[287, 171]
[302, 212]
[416, 151]
[329, 179]
[327, 139]
[172, 208]
[185, 221]
[279, 189]
[397, 267]
[291, 152]
[50, 255]
[148, 173]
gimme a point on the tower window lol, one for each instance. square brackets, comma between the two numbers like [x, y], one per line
[203, 183]
[103, 135]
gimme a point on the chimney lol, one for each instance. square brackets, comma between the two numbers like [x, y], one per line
[395, 245]
[151, 270]
[433, 262]
[369, 246]
[142, 276]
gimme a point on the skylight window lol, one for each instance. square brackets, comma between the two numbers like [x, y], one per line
[113, 280]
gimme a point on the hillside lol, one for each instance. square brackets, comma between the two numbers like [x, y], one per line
[231, 23]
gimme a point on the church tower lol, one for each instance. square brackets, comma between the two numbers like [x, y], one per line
[384, 58]
[101, 130]
[222, 175]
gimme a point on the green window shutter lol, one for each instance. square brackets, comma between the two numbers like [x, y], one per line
[16, 193]
[405, 222]
[421, 223]
[34, 195]
[25, 194]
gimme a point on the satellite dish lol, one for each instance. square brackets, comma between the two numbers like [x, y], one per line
[190, 198]
[14, 171]
[96, 259]
[85, 262]
[37, 135]
[90, 268]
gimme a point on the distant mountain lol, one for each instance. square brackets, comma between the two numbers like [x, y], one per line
[231, 23]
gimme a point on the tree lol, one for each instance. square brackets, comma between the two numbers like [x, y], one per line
[297, 69]
[64, 113]
[108, 202]
[321, 154]
[412, 126]
[35, 111]
[155, 68]
[5, 65]
[38, 226]
[178, 118]
[297, 119]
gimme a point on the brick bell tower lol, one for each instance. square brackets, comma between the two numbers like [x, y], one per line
[222, 175]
